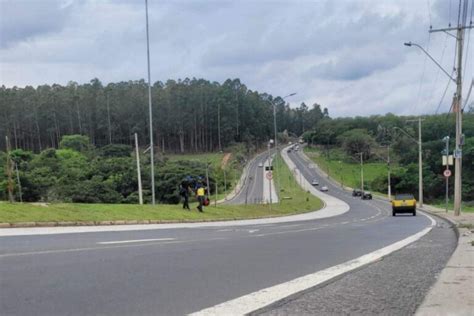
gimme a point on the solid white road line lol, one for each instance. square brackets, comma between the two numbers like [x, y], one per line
[132, 241]
[257, 300]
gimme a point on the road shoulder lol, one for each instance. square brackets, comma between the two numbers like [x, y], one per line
[452, 294]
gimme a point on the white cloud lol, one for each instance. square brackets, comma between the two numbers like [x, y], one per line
[346, 55]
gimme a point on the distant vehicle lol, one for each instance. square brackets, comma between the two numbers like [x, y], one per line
[315, 182]
[366, 196]
[404, 203]
[324, 188]
[289, 150]
[356, 192]
[260, 165]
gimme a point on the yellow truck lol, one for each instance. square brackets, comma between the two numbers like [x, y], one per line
[403, 203]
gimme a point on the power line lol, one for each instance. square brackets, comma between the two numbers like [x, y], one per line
[444, 95]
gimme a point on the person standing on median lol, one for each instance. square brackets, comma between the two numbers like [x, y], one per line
[184, 192]
[201, 195]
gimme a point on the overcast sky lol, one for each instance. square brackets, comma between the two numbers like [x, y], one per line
[345, 55]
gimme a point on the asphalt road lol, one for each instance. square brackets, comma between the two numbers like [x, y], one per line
[178, 271]
[252, 189]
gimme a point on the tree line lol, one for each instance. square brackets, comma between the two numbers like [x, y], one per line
[190, 115]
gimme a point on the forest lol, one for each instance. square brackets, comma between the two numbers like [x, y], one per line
[74, 143]
[189, 116]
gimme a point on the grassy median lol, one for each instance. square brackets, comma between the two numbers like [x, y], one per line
[294, 201]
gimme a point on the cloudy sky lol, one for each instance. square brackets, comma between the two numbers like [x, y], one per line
[346, 55]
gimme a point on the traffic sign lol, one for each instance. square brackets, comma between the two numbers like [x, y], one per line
[269, 175]
[447, 173]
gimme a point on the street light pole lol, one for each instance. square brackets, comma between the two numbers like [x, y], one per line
[457, 106]
[152, 163]
[276, 138]
[420, 158]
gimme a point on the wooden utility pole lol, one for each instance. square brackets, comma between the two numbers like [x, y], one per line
[457, 107]
[9, 170]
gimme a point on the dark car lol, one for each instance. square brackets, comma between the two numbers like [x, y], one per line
[366, 196]
[356, 192]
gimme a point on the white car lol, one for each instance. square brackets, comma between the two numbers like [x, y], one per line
[260, 165]
[315, 182]
[324, 189]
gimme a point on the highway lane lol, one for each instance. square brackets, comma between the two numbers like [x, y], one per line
[178, 271]
[252, 189]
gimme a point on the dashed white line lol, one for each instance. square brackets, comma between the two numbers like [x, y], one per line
[132, 241]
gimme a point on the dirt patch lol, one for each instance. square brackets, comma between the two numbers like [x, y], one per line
[225, 160]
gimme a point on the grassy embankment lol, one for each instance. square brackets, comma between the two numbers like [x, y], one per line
[298, 201]
[344, 172]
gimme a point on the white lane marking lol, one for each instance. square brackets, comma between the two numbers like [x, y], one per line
[259, 299]
[225, 230]
[289, 231]
[132, 241]
[136, 245]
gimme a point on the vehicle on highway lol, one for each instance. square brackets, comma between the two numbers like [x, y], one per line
[404, 203]
[315, 182]
[366, 196]
[356, 192]
[324, 188]
[289, 150]
[260, 165]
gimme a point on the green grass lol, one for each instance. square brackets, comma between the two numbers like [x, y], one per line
[299, 202]
[465, 207]
[214, 158]
[346, 173]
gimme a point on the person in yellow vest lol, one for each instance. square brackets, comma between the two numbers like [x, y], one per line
[201, 195]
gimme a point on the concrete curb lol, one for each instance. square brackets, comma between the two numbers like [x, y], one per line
[452, 292]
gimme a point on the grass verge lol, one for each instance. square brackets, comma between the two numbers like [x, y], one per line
[343, 172]
[297, 201]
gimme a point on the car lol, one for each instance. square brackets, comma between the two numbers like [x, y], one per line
[315, 182]
[404, 203]
[289, 150]
[324, 188]
[366, 196]
[356, 192]
[260, 165]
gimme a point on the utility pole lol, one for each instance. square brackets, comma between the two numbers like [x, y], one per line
[219, 125]
[9, 172]
[446, 139]
[108, 119]
[420, 162]
[389, 182]
[362, 171]
[19, 182]
[152, 154]
[139, 174]
[457, 106]
[269, 179]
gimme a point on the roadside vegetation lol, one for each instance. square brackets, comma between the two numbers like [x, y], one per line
[295, 201]
[336, 144]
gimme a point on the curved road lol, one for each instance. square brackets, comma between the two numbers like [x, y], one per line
[185, 270]
[252, 188]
